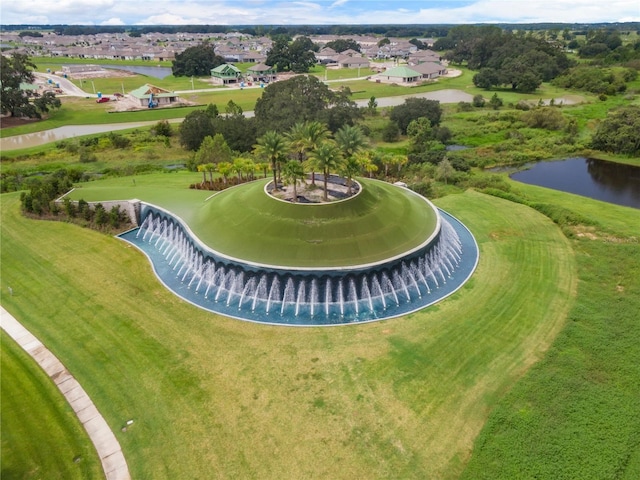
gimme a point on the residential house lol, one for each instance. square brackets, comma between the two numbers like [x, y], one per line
[226, 74]
[151, 96]
[347, 61]
[430, 70]
[401, 75]
[422, 56]
[327, 55]
[261, 73]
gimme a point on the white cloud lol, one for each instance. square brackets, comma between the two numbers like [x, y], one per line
[112, 21]
[309, 12]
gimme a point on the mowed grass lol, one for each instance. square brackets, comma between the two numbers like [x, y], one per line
[576, 414]
[41, 436]
[212, 397]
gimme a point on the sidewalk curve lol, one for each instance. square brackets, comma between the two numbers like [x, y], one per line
[105, 442]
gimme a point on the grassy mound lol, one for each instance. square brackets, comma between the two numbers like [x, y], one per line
[379, 223]
[244, 222]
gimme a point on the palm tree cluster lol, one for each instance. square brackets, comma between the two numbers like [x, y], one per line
[307, 149]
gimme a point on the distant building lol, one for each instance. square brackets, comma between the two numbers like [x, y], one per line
[261, 73]
[430, 70]
[400, 75]
[152, 96]
[226, 74]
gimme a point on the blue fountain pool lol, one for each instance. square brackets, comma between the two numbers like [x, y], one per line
[284, 296]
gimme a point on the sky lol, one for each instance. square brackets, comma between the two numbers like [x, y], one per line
[313, 12]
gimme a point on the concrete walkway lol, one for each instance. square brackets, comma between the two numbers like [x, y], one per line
[107, 446]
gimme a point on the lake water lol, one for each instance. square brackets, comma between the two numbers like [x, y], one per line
[150, 71]
[156, 72]
[598, 179]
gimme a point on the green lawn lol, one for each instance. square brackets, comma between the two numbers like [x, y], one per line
[213, 397]
[576, 414]
[41, 436]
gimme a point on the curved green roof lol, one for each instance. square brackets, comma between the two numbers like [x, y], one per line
[382, 221]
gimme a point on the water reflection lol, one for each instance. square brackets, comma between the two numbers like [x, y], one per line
[156, 72]
[40, 138]
[598, 179]
[149, 71]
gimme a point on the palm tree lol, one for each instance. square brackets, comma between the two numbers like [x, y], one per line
[296, 136]
[291, 173]
[249, 168]
[202, 168]
[237, 168]
[225, 169]
[366, 162]
[349, 168]
[210, 167]
[272, 146]
[350, 140]
[314, 134]
[400, 161]
[326, 157]
[263, 167]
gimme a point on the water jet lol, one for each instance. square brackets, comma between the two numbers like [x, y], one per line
[382, 253]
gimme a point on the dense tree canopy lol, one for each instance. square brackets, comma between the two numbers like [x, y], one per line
[520, 61]
[618, 133]
[300, 99]
[194, 128]
[19, 102]
[414, 108]
[342, 44]
[296, 56]
[196, 61]
[596, 79]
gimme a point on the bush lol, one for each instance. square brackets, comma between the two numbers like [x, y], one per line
[423, 187]
[89, 142]
[459, 164]
[548, 118]
[391, 132]
[118, 141]
[484, 181]
[162, 129]
[478, 101]
[87, 156]
[495, 102]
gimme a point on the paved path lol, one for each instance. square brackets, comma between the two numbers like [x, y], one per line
[109, 451]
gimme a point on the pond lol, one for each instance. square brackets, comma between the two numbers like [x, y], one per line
[156, 72]
[598, 179]
[149, 71]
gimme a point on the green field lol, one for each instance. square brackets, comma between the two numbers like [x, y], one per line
[41, 436]
[217, 398]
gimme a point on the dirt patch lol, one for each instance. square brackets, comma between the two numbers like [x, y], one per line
[8, 122]
[308, 193]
